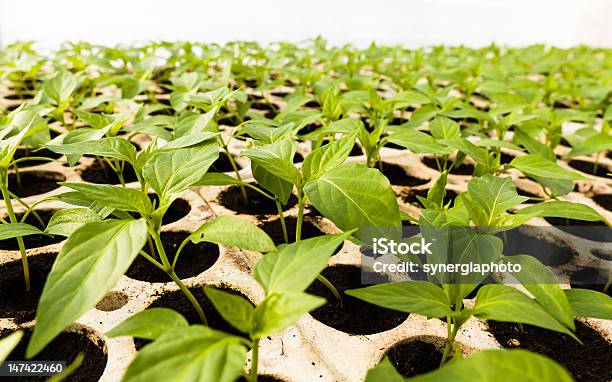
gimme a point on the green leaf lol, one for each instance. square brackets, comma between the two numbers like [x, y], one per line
[419, 297]
[468, 148]
[295, 266]
[170, 173]
[542, 284]
[234, 231]
[354, 196]
[280, 310]
[279, 187]
[504, 303]
[532, 145]
[12, 230]
[437, 192]
[114, 147]
[236, 310]
[589, 303]
[8, 343]
[117, 197]
[595, 143]
[416, 141]
[60, 87]
[535, 165]
[90, 263]
[384, 372]
[194, 353]
[499, 366]
[327, 157]
[493, 195]
[217, 179]
[444, 128]
[149, 324]
[562, 209]
[277, 159]
[65, 222]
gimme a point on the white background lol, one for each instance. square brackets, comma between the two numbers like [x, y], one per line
[408, 22]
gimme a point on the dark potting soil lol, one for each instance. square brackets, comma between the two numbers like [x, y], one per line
[410, 196]
[604, 200]
[587, 167]
[600, 231]
[223, 164]
[257, 204]
[32, 241]
[178, 209]
[15, 302]
[506, 158]
[263, 378]
[66, 347]
[591, 278]
[354, 316]
[24, 152]
[462, 169]
[399, 177]
[274, 229]
[29, 183]
[516, 242]
[193, 260]
[589, 361]
[298, 158]
[528, 194]
[263, 106]
[414, 357]
[309, 128]
[177, 301]
[96, 174]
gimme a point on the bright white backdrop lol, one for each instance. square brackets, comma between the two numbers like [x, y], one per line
[409, 22]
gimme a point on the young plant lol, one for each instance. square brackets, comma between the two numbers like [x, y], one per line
[283, 274]
[106, 248]
[24, 124]
[464, 234]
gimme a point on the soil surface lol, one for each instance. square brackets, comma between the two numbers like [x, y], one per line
[604, 200]
[354, 316]
[30, 183]
[96, 174]
[517, 242]
[274, 229]
[32, 241]
[15, 302]
[193, 260]
[397, 176]
[24, 152]
[591, 278]
[596, 230]
[231, 198]
[528, 194]
[462, 169]
[588, 168]
[414, 357]
[263, 378]
[589, 362]
[223, 164]
[66, 347]
[177, 301]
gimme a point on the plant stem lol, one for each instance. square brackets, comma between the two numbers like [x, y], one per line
[254, 361]
[450, 340]
[189, 295]
[300, 217]
[22, 250]
[331, 288]
[282, 220]
[170, 271]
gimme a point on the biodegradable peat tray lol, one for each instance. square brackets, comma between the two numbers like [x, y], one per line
[190, 212]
